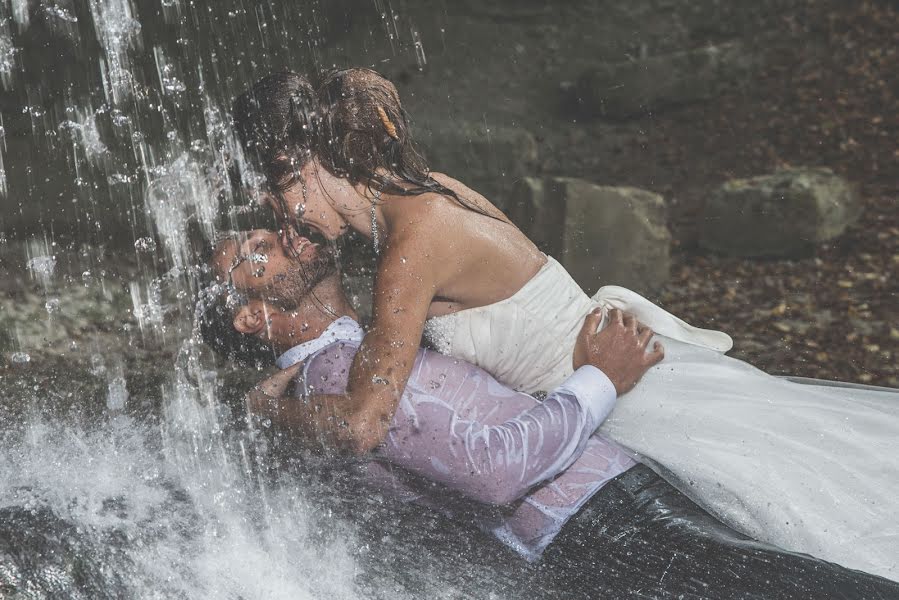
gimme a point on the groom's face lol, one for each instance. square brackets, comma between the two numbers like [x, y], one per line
[257, 264]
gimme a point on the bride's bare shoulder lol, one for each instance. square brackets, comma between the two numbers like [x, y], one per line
[471, 197]
[458, 187]
[434, 202]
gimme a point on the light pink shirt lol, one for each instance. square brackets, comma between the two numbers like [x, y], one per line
[531, 465]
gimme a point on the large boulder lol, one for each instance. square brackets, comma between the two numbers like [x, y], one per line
[489, 159]
[625, 89]
[603, 235]
[785, 214]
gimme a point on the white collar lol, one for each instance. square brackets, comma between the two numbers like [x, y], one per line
[344, 329]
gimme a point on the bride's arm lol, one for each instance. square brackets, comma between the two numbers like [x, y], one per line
[404, 288]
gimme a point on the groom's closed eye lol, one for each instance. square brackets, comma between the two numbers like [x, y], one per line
[255, 252]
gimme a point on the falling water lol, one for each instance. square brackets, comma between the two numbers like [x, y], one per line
[126, 469]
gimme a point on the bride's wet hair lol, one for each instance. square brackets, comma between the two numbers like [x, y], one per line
[353, 123]
[277, 121]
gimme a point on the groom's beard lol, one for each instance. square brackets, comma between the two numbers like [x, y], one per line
[291, 286]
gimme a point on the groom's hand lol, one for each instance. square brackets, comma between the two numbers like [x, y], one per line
[619, 350]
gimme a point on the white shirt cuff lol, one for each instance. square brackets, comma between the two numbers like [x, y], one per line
[593, 390]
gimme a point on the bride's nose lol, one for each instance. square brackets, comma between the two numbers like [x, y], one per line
[268, 200]
[286, 235]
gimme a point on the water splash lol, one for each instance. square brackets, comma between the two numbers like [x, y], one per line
[20, 358]
[21, 13]
[166, 71]
[147, 306]
[61, 18]
[8, 54]
[84, 134]
[118, 31]
[3, 182]
[117, 389]
[42, 267]
[182, 190]
[146, 245]
[420, 56]
[181, 504]
[143, 526]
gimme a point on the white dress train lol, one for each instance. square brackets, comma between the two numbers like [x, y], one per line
[808, 468]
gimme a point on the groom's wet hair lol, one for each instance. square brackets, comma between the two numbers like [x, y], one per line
[216, 327]
[352, 121]
[215, 315]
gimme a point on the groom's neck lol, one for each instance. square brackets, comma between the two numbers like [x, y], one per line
[324, 304]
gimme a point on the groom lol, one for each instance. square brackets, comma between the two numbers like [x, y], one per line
[530, 467]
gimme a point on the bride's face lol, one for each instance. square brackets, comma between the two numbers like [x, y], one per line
[313, 202]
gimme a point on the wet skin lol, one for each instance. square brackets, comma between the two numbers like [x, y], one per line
[436, 257]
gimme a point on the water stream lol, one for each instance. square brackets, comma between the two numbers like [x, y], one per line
[123, 473]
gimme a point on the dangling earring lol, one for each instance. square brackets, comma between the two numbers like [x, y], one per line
[375, 233]
[300, 209]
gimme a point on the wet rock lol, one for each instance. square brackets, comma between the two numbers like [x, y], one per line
[45, 556]
[621, 90]
[489, 159]
[602, 234]
[786, 214]
[539, 211]
[508, 11]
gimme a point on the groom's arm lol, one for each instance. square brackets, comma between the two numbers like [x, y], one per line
[495, 463]
[499, 463]
[447, 435]
[445, 428]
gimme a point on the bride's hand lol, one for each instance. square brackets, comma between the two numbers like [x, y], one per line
[619, 350]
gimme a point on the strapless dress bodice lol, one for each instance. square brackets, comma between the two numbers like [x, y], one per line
[527, 340]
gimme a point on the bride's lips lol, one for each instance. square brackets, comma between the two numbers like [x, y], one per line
[299, 244]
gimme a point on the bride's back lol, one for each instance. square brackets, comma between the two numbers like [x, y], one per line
[484, 258]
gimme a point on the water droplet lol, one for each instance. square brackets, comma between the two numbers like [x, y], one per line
[98, 366]
[119, 179]
[20, 358]
[145, 244]
[42, 265]
[117, 392]
[52, 305]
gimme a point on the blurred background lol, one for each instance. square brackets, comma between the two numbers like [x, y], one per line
[734, 161]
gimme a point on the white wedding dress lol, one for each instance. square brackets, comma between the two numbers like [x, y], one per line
[808, 468]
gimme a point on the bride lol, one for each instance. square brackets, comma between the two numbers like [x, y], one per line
[810, 468]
